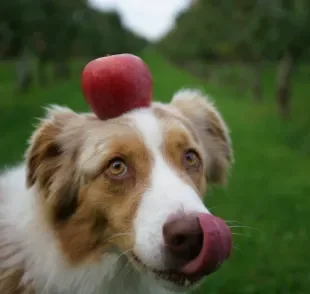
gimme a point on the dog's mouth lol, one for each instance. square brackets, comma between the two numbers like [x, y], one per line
[172, 276]
[216, 248]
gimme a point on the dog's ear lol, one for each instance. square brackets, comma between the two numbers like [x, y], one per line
[211, 128]
[50, 160]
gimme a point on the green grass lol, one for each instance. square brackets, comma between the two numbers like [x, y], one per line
[269, 187]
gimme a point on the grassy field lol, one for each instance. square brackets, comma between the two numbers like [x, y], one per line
[268, 195]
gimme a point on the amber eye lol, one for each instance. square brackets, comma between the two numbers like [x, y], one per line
[117, 168]
[192, 159]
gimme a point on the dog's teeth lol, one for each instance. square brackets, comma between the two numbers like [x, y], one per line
[187, 283]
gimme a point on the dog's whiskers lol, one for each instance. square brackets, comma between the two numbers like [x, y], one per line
[245, 227]
[236, 224]
[213, 207]
[122, 254]
[239, 234]
[117, 235]
[126, 266]
[235, 246]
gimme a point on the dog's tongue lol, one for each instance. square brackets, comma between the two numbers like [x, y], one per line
[217, 246]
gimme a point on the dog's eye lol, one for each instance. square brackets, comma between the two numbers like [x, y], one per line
[117, 168]
[191, 158]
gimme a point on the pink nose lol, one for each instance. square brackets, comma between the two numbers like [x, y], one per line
[183, 237]
[203, 242]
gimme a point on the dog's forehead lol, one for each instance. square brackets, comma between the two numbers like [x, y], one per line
[138, 130]
[149, 127]
[155, 124]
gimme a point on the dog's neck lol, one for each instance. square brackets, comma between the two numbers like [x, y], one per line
[28, 244]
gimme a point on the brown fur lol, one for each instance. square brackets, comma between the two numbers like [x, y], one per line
[10, 282]
[213, 133]
[106, 209]
[87, 209]
[177, 142]
[68, 159]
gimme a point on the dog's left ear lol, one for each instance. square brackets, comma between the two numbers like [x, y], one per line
[211, 128]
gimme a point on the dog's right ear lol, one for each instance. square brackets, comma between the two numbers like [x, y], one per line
[45, 148]
[50, 159]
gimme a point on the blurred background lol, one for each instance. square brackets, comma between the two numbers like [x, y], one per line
[251, 56]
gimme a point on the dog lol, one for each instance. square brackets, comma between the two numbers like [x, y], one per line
[116, 206]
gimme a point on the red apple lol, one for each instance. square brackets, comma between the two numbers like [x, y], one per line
[115, 84]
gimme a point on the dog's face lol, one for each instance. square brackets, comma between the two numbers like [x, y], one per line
[132, 184]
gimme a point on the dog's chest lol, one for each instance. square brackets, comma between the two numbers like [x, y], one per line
[122, 278]
[129, 285]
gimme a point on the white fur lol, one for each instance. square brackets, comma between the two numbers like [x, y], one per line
[20, 216]
[28, 234]
[166, 195]
[25, 232]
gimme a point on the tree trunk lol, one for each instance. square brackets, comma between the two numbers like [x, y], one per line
[61, 70]
[24, 71]
[284, 85]
[42, 76]
[257, 82]
[6, 38]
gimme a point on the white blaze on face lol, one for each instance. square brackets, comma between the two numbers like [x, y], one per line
[167, 194]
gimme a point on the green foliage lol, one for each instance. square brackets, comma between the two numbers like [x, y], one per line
[38, 32]
[268, 191]
[57, 29]
[103, 33]
[243, 29]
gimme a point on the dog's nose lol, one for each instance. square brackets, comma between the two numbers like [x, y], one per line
[183, 237]
[197, 244]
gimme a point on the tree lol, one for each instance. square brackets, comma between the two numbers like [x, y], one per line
[292, 26]
[51, 32]
[250, 31]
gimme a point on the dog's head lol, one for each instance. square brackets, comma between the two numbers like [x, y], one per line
[134, 184]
